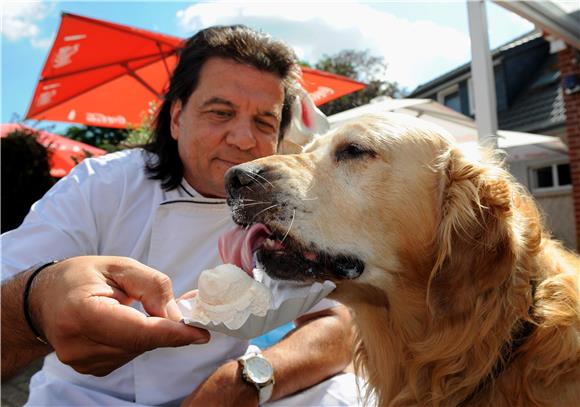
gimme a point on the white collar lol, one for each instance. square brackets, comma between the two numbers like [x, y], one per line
[187, 191]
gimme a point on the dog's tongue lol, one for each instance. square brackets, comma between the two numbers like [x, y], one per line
[237, 246]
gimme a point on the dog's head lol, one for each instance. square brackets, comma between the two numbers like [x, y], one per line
[387, 205]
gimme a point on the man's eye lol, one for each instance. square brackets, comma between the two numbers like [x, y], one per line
[222, 114]
[265, 126]
[353, 152]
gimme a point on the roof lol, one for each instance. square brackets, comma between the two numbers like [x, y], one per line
[541, 104]
[559, 18]
[495, 53]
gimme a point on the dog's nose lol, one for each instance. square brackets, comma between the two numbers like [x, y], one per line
[238, 177]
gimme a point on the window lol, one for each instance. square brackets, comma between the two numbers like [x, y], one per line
[551, 176]
[453, 101]
[564, 174]
[470, 96]
[450, 98]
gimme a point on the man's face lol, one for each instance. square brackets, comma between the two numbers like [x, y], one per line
[232, 117]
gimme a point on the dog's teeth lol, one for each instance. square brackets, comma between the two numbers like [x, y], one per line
[269, 243]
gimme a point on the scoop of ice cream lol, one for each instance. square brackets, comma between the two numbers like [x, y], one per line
[223, 285]
[227, 295]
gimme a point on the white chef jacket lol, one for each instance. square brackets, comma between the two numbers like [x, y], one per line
[108, 206]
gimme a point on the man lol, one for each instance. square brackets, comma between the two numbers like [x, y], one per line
[141, 225]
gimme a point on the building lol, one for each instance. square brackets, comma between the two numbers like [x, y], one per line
[532, 95]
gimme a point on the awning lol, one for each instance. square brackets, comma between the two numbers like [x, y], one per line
[519, 146]
[64, 153]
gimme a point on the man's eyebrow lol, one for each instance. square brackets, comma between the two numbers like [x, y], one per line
[271, 114]
[217, 100]
[221, 101]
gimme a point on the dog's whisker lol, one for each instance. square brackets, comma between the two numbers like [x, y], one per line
[290, 227]
[309, 188]
[251, 175]
[247, 199]
[262, 211]
[272, 185]
[244, 205]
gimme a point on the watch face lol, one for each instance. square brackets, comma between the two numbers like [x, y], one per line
[259, 370]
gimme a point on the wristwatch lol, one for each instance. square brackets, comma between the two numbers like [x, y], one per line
[258, 371]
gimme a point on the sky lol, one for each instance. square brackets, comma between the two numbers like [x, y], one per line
[419, 40]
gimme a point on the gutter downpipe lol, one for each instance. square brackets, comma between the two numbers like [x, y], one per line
[482, 74]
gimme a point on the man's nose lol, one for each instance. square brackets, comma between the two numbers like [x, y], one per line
[241, 136]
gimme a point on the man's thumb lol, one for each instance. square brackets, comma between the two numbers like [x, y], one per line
[166, 333]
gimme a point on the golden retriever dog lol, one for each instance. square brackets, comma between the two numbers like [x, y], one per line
[459, 295]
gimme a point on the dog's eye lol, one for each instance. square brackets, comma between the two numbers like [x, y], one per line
[352, 152]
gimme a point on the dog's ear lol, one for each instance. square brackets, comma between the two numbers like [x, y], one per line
[288, 147]
[474, 242]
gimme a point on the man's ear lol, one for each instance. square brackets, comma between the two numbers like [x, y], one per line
[474, 246]
[175, 113]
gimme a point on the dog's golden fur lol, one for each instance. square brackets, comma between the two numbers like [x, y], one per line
[457, 266]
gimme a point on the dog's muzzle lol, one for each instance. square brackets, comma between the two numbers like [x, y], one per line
[287, 258]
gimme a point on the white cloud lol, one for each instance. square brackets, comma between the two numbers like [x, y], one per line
[20, 21]
[43, 43]
[414, 50]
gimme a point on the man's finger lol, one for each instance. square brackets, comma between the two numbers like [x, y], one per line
[135, 331]
[145, 284]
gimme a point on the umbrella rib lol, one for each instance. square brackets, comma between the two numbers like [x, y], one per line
[161, 54]
[332, 76]
[80, 92]
[127, 30]
[134, 75]
[92, 68]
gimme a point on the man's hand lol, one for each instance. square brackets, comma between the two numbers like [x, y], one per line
[81, 307]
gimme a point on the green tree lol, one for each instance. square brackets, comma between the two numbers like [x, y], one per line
[363, 67]
[103, 137]
[141, 135]
[116, 139]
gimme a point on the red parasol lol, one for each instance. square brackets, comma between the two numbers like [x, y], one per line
[105, 74]
[64, 152]
[324, 86]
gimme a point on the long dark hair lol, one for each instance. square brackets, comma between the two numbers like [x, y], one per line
[237, 42]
